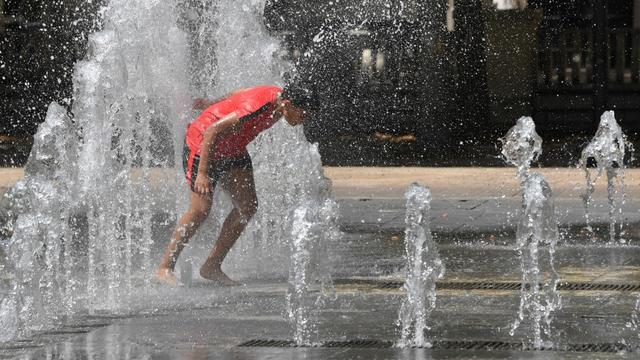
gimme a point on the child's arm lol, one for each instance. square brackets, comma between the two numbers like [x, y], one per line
[207, 149]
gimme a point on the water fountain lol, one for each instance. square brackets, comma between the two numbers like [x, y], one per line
[83, 241]
[608, 148]
[538, 226]
[285, 162]
[45, 202]
[297, 219]
[309, 267]
[424, 268]
[521, 146]
[79, 181]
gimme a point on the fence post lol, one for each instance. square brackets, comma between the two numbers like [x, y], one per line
[2, 6]
[563, 52]
[576, 57]
[635, 46]
[620, 56]
[547, 58]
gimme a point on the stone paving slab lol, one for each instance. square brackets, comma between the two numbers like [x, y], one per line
[464, 199]
[445, 183]
[461, 183]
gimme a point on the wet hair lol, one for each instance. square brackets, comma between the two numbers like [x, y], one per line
[299, 96]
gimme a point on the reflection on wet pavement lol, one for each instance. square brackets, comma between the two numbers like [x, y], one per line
[200, 321]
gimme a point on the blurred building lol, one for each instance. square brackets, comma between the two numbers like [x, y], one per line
[424, 77]
[450, 70]
[587, 62]
[40, 41]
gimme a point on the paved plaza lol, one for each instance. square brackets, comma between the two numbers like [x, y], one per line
[474, 212]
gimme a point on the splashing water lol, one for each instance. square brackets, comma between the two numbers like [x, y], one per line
[522, 146]
[308, 267]
[285, 163]
[82, 241]
[296, 222]
[297, 219]
[424, 268]
[44, 200]
[539, 299]
[538, 226]
[82, 237]
[607, 148]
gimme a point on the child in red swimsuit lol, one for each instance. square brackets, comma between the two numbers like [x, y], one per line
[215, 152]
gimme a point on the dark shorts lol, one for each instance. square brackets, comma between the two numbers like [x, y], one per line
[217, 168]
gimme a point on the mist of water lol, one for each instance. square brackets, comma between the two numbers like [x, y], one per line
[537, 229]
[607, 148]
[424, 268]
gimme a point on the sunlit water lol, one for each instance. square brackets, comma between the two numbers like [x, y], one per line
[521, 146]
[607, 148]
[83, 239]
[79, 181]
[537, 230]
[309, 268]
[423, 269]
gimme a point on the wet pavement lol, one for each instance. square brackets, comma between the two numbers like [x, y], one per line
[475, 236]
[199, 321]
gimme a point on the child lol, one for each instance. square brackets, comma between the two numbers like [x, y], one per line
[215, 153]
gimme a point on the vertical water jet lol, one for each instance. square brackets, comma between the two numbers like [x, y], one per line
[607, 148]
[423, 269]
[538, 226]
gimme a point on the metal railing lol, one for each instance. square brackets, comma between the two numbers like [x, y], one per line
[565, 59]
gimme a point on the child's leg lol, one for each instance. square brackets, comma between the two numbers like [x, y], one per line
[239, 183]
[186, 227]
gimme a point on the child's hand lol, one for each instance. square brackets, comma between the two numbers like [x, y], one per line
[201, 185]
[281, 110]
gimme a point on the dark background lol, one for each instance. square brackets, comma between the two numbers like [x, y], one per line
[394, 83]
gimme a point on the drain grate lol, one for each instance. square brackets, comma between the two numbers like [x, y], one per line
[65, 331]
[376, 283]
[599, 287]
[511, 346]
[361, 343]
[479, 286]
[358, 343]
[448, 345]
[268, 343]
[512, 285]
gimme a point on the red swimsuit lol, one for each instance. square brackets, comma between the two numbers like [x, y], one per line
[253, 106]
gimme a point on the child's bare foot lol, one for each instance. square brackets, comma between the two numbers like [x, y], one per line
[216, 275]
[165, 276]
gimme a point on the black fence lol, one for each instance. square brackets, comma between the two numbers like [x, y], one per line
[566, 59]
